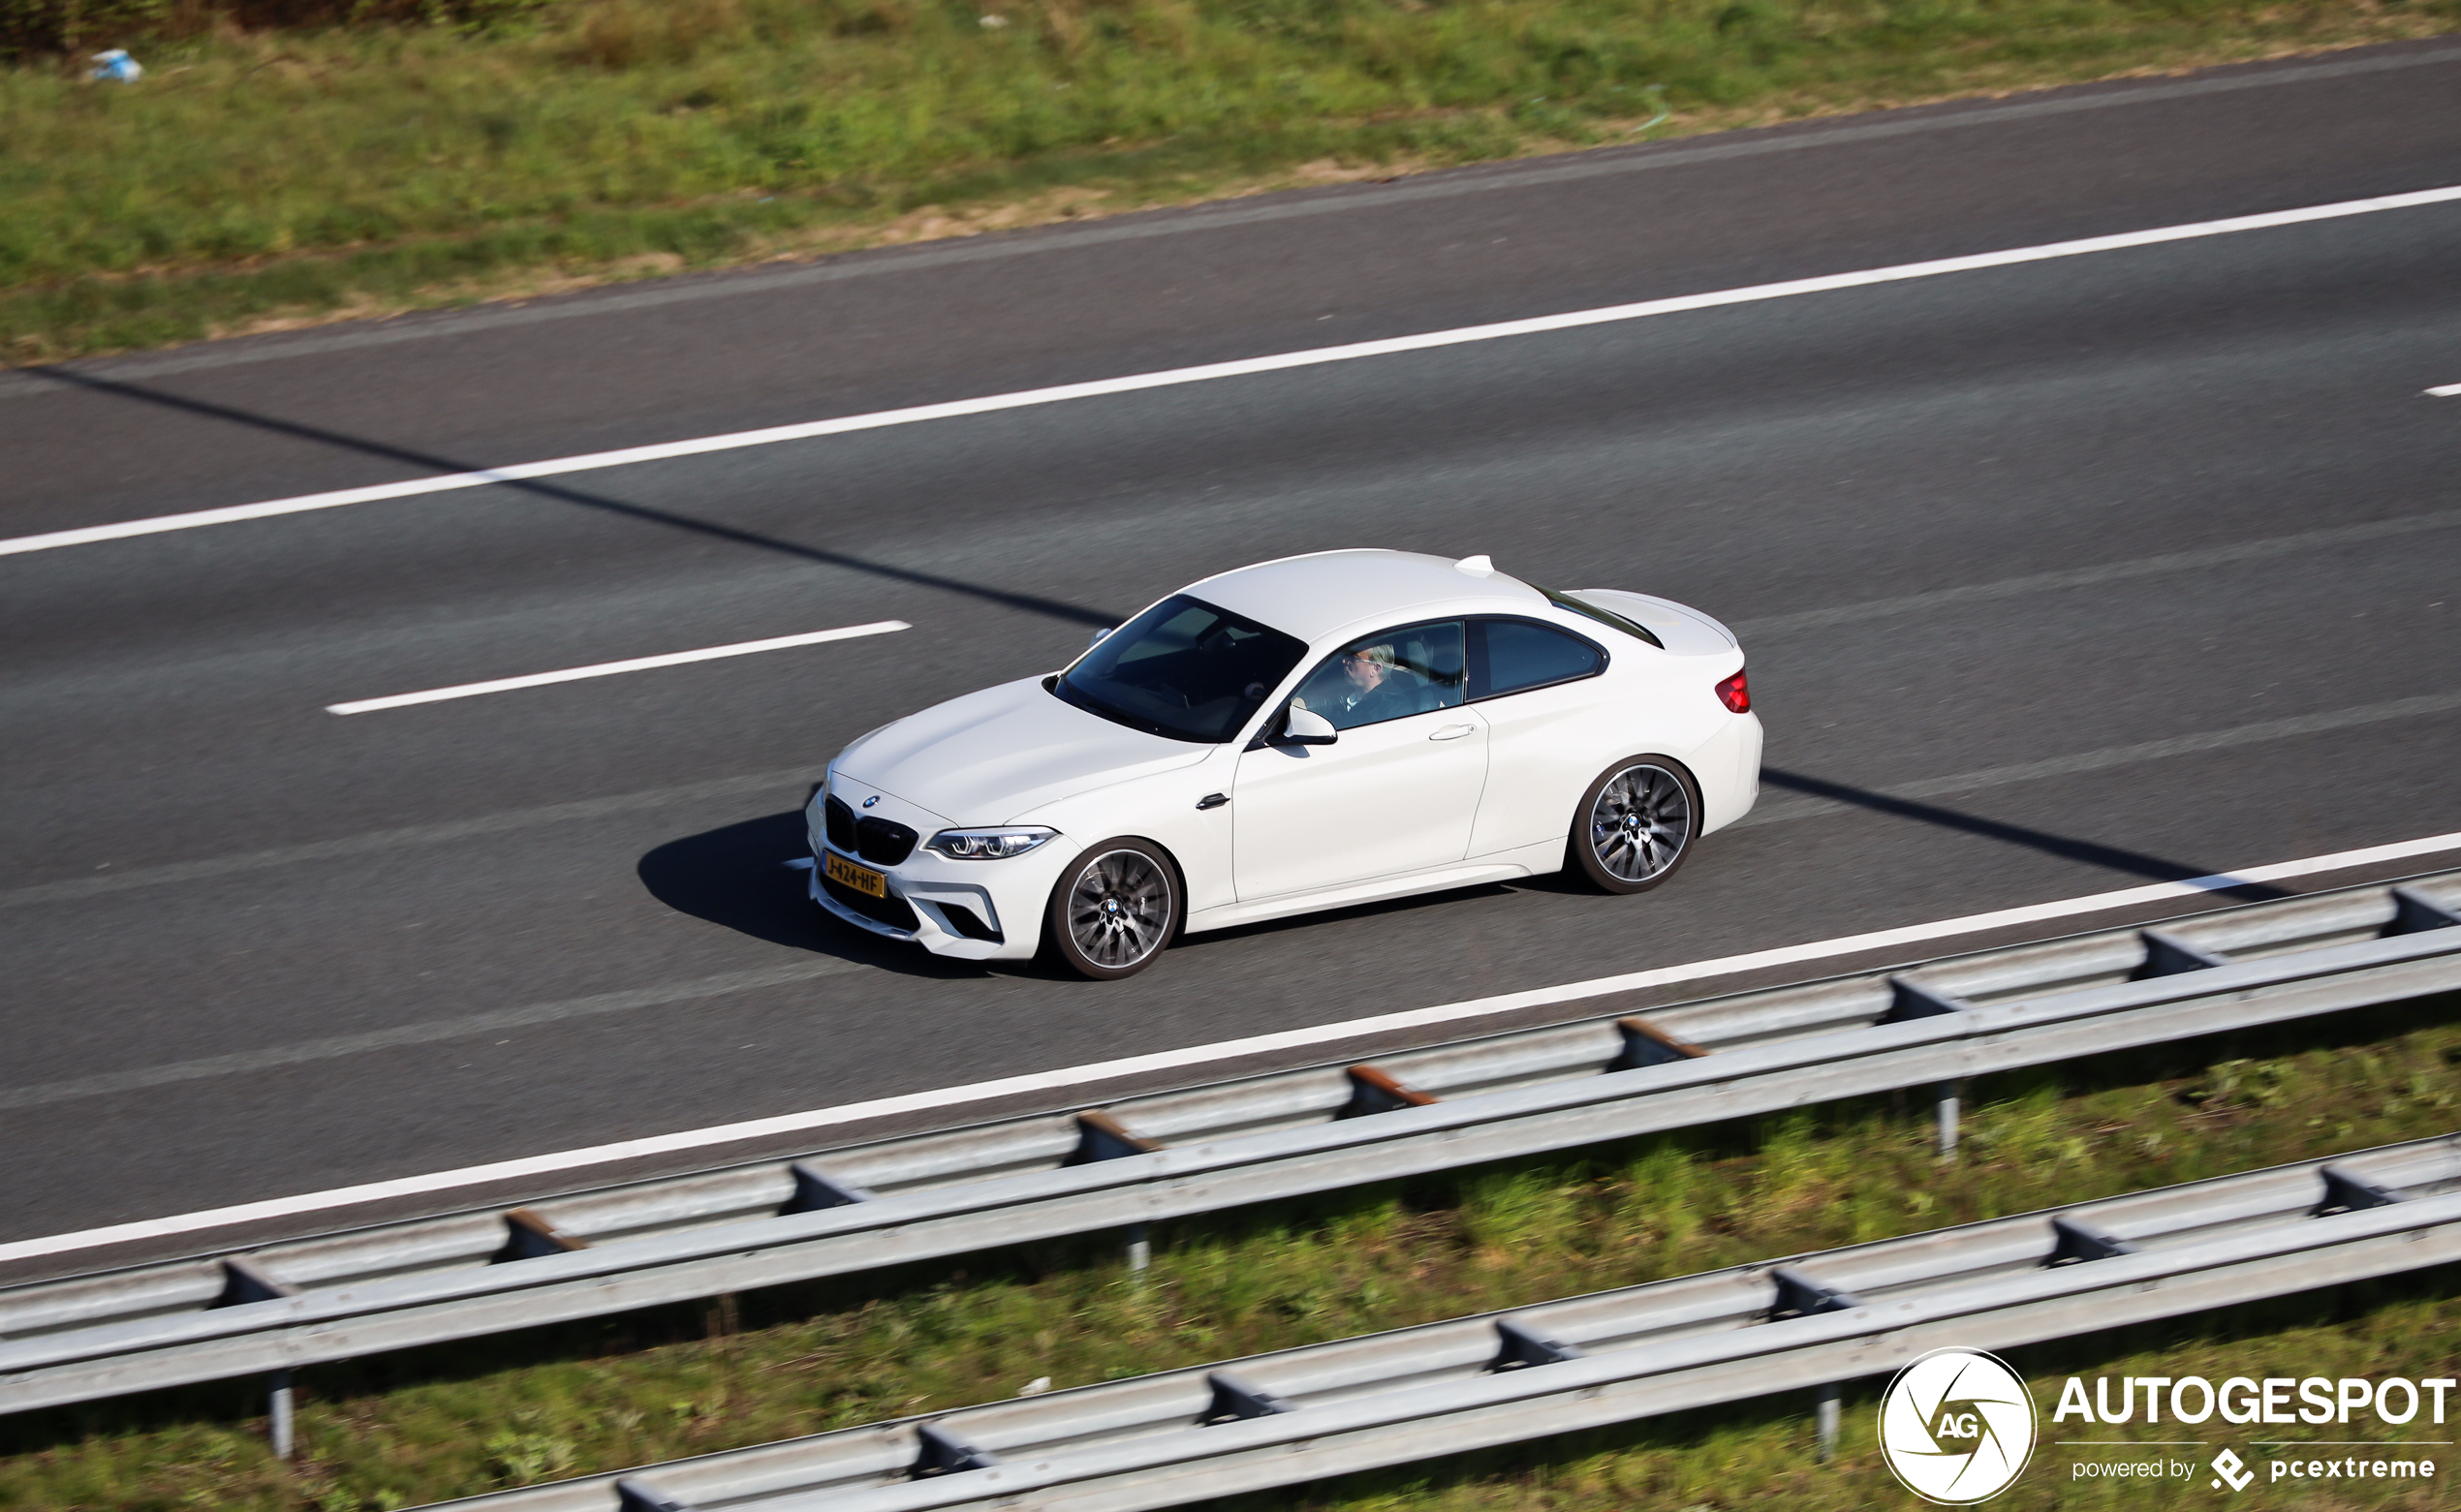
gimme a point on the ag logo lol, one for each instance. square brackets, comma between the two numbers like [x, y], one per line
[1956, 1426]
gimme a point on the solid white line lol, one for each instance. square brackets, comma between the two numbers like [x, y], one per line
[401, 701]
[947, 1098]
[2447, 392]
[666, 450]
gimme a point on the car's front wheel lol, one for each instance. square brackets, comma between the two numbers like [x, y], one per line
[1114, 910]
[1635, 824]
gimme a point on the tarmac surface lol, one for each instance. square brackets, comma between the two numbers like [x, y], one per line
[2055, 578]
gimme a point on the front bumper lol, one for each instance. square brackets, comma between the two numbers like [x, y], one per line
[1002, 898]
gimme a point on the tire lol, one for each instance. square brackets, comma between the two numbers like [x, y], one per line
[1114, 909]
[1635, 825]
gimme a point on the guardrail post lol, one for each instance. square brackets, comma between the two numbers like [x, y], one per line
[816, 1190]
[1803, 1296]
[1945, 1097]
[2074, 1241]
[635, 1495]
[1909, 999]
[1646, 1044]
[245, 1280]
[1234, 1399]
[1374, 1090]
[528, 1235]
[1521, 1345]
[2348, 1192]
[2413, 911]
[277, 1415]
[2169, 955]
[1103, 1138]
[943, 1453]
[1826, 1411]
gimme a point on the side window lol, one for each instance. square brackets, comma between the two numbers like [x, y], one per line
[1519, 655]
[1388, 675]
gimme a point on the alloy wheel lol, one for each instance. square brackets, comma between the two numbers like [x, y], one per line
[1641, 822]
[1119, 909]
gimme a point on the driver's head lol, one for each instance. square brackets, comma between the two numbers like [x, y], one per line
[1367, 665]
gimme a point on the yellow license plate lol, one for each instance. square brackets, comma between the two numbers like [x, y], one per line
[863, 878]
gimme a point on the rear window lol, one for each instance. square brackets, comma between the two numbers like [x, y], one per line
[1520, 655]
[1183, 668]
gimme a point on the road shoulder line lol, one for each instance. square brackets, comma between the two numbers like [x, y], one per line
[950, 1101]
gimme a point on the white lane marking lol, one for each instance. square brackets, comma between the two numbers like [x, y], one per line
[574, 674]
[2447, 392]
[1075, 1079]
[1245, 366]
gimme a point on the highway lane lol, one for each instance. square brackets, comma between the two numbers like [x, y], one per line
[2251, 404]
[584, 372]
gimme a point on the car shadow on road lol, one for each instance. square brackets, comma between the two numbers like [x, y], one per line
[736, 877]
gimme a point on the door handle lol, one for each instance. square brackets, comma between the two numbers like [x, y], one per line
[1213, 800]
[1453, 732]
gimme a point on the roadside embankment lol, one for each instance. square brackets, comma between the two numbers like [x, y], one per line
[257, 179]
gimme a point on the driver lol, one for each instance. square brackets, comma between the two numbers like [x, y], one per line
[1361, 687]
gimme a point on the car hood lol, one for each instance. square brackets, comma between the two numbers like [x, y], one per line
[990, 756]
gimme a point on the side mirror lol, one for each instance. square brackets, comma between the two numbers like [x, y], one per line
[1099, 636]
[1306, 728]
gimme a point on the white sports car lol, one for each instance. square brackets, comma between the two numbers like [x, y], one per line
[1300, 735]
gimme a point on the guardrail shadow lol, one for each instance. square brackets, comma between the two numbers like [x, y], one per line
[2134, 863]
[1031, 604]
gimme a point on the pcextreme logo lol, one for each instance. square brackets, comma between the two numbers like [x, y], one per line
[1956, 1426]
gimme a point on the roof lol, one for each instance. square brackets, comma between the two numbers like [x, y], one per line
[1312, 596]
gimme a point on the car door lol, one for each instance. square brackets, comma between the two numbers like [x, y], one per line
[1534, 684]
[1396, 791]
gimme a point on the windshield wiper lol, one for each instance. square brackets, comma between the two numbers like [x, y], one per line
[1070, 694]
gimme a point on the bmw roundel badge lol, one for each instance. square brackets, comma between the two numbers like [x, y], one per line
[871, 801]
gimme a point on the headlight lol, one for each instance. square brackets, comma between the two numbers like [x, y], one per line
[987, 845]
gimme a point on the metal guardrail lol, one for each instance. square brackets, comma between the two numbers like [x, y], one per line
[1212, 1147]
[1746, 1331]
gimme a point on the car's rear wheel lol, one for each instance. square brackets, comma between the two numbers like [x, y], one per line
[1115, 910]
[1635, 824]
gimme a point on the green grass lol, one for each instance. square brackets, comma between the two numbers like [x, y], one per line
[430, 1424]
[259, 178]
[1762, 1453]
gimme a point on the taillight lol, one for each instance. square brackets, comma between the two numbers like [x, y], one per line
[1735, 694]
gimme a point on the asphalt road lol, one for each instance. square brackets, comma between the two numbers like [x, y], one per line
[2055, 578]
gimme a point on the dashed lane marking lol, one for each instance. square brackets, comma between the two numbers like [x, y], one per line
[572, 674]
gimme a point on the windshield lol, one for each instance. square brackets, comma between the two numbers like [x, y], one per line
[1582, 606]
[1183, 668]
